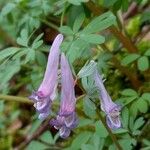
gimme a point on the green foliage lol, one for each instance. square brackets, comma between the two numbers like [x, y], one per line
[27, 29]
[80, 140]
[129, 59]
[142, 61]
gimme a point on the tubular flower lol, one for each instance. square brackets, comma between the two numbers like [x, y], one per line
[66, 119]
[45, 94]
[111, 109]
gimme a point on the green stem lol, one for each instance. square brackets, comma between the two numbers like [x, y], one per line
[136, 83]
[49, 24]
[11, 98]
[62, 16]
[126, 42]
[113, 137]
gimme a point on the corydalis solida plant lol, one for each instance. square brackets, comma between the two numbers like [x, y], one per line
[66, 120]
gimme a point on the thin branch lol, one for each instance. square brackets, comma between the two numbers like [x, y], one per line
[131, 10]
[113, 137]
[126, 42]
[25, 100]
[131, 75]
[34, 136]
[50, 24]
[11, 98]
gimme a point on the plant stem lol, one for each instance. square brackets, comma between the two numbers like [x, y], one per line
[49, 24]
[43, 127]
[15, 99]
[62, 16]
[113, 137]
[136, 83]
[126, 42]
[11, 98]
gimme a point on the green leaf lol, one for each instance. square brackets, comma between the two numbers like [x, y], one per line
[34, 145]
[6, 74]
[136, 132]
[147, 53]
[128, 100]
[22, 42]
[133, 109]
[131, 123]
[100, 130]
[146, 142]
[80, 139]
[89, 107]
[100, 23]
[108, 3]
[85, 122]
[7, 9]
[87, 69]
[138, 123]
[77, 49]
[34, 127]
[47, 137]
[129, 92]
[66, 30]
[146, 96]
[38, 37]
[8, 52]
[142, 105]
[23, 39]
[37, 44]
[41, 59]
[30, 55]
[98, 142]
[143, 63]
[93, 38]
[120, 131]
[126, 144]
[20, 54]
[125, 117]
[77, 2]
[145, 16]
[78, 22]
[129, 59]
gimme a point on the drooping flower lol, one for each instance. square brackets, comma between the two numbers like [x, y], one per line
[111, 109]
[66, 119]
[45, 94]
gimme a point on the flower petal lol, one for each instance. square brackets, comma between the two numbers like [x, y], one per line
[113, 122]
[50, 78]
[71, 121]
[64, 132]
[68, 99]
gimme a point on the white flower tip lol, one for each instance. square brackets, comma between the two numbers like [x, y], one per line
[60, 37]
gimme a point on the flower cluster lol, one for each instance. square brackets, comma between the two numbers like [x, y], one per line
[66, 119]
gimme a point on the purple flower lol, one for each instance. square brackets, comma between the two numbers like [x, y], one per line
[66, 120]
[111, 109]
[45, 94]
